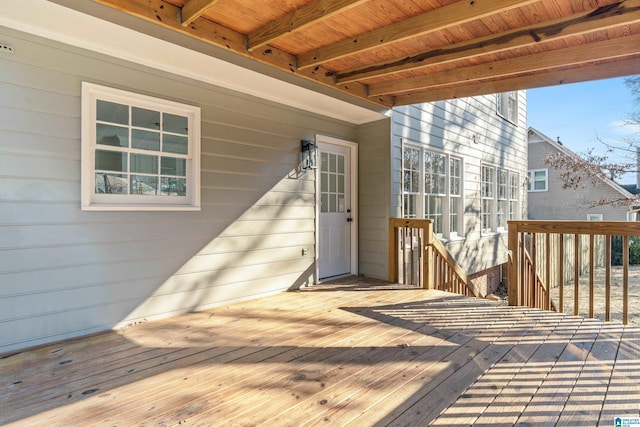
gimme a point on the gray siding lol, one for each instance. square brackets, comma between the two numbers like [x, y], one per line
[568, 204]
[450, 126]
[374, 194]
[65, 272]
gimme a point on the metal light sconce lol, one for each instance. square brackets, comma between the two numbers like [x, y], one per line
[309, 154]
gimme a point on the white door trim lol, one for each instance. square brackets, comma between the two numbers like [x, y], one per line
[353, 151]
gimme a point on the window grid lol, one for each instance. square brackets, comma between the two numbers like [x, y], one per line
[439, 194]
[537, 180]
[138, 152]
[514, 187]
[507, 105]
[487, 193]
[502, 205]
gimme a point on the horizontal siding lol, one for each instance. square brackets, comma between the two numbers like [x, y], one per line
[65, 272]
[450, 127]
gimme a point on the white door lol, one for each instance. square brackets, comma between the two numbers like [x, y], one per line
[336, 214]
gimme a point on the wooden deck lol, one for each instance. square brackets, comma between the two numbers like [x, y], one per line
[345, 353]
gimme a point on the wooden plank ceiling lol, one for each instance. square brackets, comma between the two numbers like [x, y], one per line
[398, 52]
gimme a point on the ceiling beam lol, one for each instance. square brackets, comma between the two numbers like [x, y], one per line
[624, 13]
[614, 49]
[166, 15]
[590, 72]
[193, 9]
[311, 13]
[456, 13]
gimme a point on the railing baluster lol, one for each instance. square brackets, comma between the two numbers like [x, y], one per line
[607, 278]
[591, 278]
[576, 274]
[561, 272]
[625, 280]
[547, 244]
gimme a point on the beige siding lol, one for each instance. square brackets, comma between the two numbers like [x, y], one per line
[65, 272]
[568, 204]
[450, 127]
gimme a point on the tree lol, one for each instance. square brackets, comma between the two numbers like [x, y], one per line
[591, 168]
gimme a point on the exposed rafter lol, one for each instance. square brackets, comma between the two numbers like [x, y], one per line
[312, 13]
[491, 45]
[609, 50]
[454, 14]
[606, 17]
[552, 78]
[166, 15]
[193, 9]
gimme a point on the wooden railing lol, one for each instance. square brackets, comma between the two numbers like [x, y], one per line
[542, 280]
[418, 258]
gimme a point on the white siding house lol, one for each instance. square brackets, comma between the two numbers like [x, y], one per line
[256, 225]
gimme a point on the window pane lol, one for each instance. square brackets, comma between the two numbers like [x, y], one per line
[341, 164]
[332, 162]
[540, 175]
[173, 186]
[112, 135]
[324, 182]
[410, 205]
[144, 185]
[324, 202]
[111, 161]
[341, 184]
[175, 124]
[111, 183]
[111, 112]
[174, 166]
[175, 144]
[324, 162]
[539, 185]
[142, 163]
[332, 203]
[143, 118]
[332, 183]
[145, 140]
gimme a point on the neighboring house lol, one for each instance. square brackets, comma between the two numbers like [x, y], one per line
[548, 200]
[133, 189]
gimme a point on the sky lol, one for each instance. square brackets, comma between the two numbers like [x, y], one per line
[580, 113]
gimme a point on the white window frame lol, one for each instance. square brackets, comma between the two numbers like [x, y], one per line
[491, 198]
[595, 217]
[90, 199]
[531, 173]
[507, 106]
[420, 196]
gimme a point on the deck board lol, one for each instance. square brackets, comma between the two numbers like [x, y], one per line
[351, 352]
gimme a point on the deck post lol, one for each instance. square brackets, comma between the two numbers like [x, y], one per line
[428, 251]
[513, 287]
[393, 255]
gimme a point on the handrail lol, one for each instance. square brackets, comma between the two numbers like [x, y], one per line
[425, 260]
[568, 247]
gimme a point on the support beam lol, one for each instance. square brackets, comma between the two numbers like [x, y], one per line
[193, 9]
[454, 14]
[312, 13]
[609, 50]
[599, 71]
[624, 13]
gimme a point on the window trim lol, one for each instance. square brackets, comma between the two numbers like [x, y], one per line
[90, 200]
[421, 196]
[531, 180]
[599, 216]
[495, 199]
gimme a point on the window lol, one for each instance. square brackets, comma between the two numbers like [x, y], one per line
[537, 180]
[138, 152]
[411, 181]
[514, 195]
[499, 197]
[595, 217]
[435, 191]
[487, 195]
[455, 195]
[432, 189]
[507, 106]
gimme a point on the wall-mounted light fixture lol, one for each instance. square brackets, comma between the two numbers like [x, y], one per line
[309, 154]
